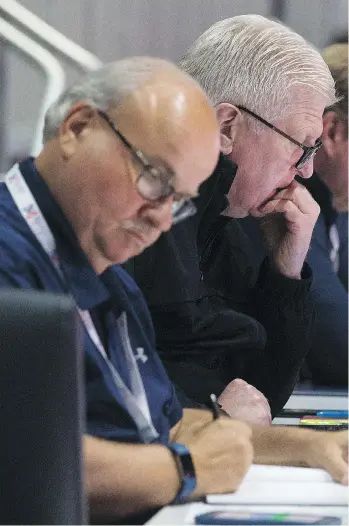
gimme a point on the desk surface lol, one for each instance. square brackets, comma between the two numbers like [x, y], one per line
[324, 399]
[319, 391]
[320, 402]
[186, 513]
[286, 421]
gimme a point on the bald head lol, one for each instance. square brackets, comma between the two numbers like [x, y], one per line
[150, 99]
[112, 84]
[170, 117]
[90, 162]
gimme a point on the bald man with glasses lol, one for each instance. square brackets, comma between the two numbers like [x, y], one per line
[155, 182]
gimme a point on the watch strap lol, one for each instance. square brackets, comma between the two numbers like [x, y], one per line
[186, 471]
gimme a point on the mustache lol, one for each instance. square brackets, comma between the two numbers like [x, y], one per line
[138, 227]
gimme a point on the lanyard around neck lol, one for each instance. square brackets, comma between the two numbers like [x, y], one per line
[135, 399]
[335, 246]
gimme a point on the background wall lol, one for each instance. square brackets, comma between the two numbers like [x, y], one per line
[113, 29]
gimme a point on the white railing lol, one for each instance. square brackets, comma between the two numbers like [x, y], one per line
[42, 32]
[52, 69]
[33, 37]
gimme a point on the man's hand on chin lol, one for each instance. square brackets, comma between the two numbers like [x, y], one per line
[287, 224]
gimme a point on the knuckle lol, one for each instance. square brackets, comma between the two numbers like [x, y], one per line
[234, 481]
[244, 428]
[239, 381]
[242, 446]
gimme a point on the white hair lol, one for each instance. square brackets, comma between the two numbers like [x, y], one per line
[103, 88]
[255, 62]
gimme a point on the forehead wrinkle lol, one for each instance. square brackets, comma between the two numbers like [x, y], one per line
[303, 118]
[304, 100]
[312, 129]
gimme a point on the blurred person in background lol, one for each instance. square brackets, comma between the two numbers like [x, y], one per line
[327, 361]
[238, 319]
[328, 254]
[121, 161]
[341, 38]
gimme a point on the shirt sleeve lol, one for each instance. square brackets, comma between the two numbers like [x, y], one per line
[12, 279]
[328, 356]
[175, 409]
[15, 270]
[284, 307]
[286, 311]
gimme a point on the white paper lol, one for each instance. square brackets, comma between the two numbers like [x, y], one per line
[318, 402]
[286, 474]
[298, 493]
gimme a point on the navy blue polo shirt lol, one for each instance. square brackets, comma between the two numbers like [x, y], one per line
[24, 264]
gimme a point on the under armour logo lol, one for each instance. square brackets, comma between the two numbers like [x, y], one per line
[140, 355]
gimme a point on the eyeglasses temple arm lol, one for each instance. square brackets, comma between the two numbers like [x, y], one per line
[272, 127]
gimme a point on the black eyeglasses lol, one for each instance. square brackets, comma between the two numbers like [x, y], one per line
[154, 183]
[308, 151]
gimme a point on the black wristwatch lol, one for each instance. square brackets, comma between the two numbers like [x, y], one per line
[186, 470]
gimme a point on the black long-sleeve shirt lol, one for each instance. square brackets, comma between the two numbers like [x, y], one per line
[217, 316]
[327, 360]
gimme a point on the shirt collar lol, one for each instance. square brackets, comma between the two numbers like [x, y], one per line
[83, 282]
[212, 194]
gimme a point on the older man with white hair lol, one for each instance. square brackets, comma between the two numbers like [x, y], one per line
[327, 361]
[269, 88]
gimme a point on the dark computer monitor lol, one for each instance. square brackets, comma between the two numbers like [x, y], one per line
[41, 410]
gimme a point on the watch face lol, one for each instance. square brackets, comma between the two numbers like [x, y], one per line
[186, 470]
[187, 465]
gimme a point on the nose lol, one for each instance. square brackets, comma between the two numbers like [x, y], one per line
[307, 170]
[159, 214]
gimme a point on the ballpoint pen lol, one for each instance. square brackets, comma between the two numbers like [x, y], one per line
[214, 406]
[333, 414]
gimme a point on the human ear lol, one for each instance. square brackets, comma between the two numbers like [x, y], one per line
[228, 117]
[334, 133]
[75, 125]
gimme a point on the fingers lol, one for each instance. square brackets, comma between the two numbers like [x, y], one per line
[299, 196]
[338, 467]
[331, 453]
[241, 394]
[242, 452]
[288, 222]
[235, 427]
[239, 385]
[288, 208]
[222, 454]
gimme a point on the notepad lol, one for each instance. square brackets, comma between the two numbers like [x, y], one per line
[285, 485]
[286, 474]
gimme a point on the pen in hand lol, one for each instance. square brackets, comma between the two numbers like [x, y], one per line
[214, 406]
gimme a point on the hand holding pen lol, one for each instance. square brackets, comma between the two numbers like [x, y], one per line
[216, 410]
[222, 451]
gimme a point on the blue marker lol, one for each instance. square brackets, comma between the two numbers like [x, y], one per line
[333, 414]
